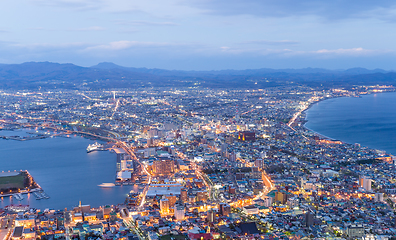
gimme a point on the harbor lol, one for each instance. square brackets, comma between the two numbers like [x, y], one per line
[63, 170]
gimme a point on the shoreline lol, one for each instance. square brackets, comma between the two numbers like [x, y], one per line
[303, 113]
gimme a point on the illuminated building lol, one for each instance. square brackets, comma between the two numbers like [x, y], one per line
[211, 216]
[365, 183]
[281, 197]
[164, 205]
[164, 167]
[179, 213]
[106, 211]
[184, 195]
[259, 163]
[246, 136]
[202, 196]
[224, 209]
[172, 199]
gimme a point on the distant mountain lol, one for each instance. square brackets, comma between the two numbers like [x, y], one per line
[105, 75]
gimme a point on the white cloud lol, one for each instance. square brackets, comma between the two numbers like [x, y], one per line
[271, 42]
[350, 51]
[47, 46]
[122, 45]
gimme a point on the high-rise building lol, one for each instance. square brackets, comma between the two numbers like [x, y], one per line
[172, 200]
[309, 218]
[164, 205]
[211, 216]
[259, 163]
[164, 167]
[202, 196]
[365, 183]
[179, 213]
[224, 209]
[184, 195]
[379, 197]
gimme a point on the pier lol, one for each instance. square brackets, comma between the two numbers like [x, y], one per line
[40, 195]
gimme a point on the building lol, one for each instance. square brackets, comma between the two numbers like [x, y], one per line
[252, 209]
[163, 167]
[224, 209]
[365, 183]
[179, 213]
[211, 215]
[259, 163]
[18, 232]
[202, 196]
[246, 136]
[184, 195]
[172, 200]
[355, 231]
[164, 205]
[379, 197]
[281, 197]
[309, 219]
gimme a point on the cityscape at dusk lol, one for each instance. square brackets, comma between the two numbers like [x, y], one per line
[197, 120]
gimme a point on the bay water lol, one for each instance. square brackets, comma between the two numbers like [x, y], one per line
[369, 120]
[65, 171]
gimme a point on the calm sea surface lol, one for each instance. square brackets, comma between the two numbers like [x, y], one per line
[63, 168]
[369, 120]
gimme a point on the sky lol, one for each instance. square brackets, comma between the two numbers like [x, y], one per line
[201, 34]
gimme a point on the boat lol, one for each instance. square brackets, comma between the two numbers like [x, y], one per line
[94, 147]
[106, 185]
[18, 196]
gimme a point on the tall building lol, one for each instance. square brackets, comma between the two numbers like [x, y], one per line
[224, 148]
[259, 163]
[281, 197]
[202, 196]
[379, 197]
[164, 205]
[211, 216]
[184, 195]
[365, 183]
[224, 209]
[309, 218]
[179, 213]
[172, 200]
[164, 167]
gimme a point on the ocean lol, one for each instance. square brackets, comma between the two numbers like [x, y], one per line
[369, 120]
[65, 171]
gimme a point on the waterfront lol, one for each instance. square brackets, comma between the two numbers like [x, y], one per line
[65, 171]
[369, 120]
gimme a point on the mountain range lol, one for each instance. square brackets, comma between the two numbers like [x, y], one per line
[32, 75]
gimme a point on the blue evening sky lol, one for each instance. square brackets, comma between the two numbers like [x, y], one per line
[201, 34]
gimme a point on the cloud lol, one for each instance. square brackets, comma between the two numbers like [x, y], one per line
[48, 46]
[145, 23]
[81, 5]
[122, 45]
[352, 51]
[336, 9]
[268, 42]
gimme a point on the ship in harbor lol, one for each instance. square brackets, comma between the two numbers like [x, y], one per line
[106, 185]
[95, 147]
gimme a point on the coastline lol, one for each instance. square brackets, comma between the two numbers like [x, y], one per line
[303, 116]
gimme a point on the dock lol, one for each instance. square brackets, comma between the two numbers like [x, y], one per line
[40, 195]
